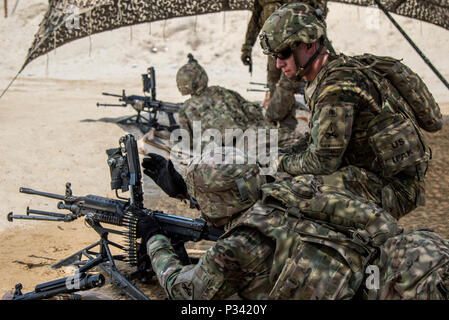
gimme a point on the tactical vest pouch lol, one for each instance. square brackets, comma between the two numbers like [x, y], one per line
[290, 192]
[411, 87]
[396, 143]
[313, 274]
[337, 208]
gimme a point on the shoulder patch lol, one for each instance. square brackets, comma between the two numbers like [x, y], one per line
[332, 127]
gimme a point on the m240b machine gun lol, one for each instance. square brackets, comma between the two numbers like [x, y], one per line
[123, 212]
[147, 104]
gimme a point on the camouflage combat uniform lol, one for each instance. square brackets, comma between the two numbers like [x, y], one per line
[261, 11]
[342, 104]
[220, 108]
[281, 102]
[352, 106]
[322, 241]
[272, 253]
[413, 266]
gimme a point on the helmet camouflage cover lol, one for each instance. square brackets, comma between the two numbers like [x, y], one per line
[291, 24]
[224, 183]
[191, 78]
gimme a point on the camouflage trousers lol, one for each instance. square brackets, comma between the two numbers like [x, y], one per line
[315, 272]
[398, 196]
[413, 266]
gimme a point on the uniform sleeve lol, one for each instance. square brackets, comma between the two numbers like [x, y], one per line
[282, 99]
[183, 120]
[253, 29]
[234, 264]
[340, 96]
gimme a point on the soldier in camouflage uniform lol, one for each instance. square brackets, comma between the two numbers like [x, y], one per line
[413, 266]
[295, 239]
[220, 108]
[280, 100]
[261, 11]
[352, 108]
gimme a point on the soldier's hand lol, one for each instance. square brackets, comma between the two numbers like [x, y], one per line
[246, 58]
[147, 226]
[246, 55]
[165, 175]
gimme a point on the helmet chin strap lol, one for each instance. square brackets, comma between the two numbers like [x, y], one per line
[300, 71]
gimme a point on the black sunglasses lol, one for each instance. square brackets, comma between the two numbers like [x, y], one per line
[284, 54]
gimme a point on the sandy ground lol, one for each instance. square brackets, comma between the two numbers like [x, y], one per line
[46, 140]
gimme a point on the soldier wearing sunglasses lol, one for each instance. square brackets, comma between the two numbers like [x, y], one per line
[346, 104]
[280, 99]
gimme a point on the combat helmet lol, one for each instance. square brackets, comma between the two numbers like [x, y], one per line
[224, 183]
[191, 78]
[289, 26]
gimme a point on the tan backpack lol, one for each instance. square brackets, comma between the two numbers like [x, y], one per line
[395, 134]
[411, 87]
[338, 232]
[306, 196]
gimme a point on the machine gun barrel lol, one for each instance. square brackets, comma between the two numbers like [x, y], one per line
[111, 105]
[98, 208]
[259, 84]
[112, 95]
[257, 90]
[40, 193]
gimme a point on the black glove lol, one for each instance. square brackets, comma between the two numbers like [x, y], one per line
[246, 54]
[147, 226]
[165, 175]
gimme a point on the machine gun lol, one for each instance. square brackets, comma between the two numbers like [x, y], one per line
[70, 284]
[263, 85]
[147, 104]
[123, 212]
[267, 88]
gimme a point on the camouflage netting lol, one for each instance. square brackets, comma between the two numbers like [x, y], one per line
[433, 11]
[96, 16]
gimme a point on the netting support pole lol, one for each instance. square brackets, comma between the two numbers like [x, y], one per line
[426, 60]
